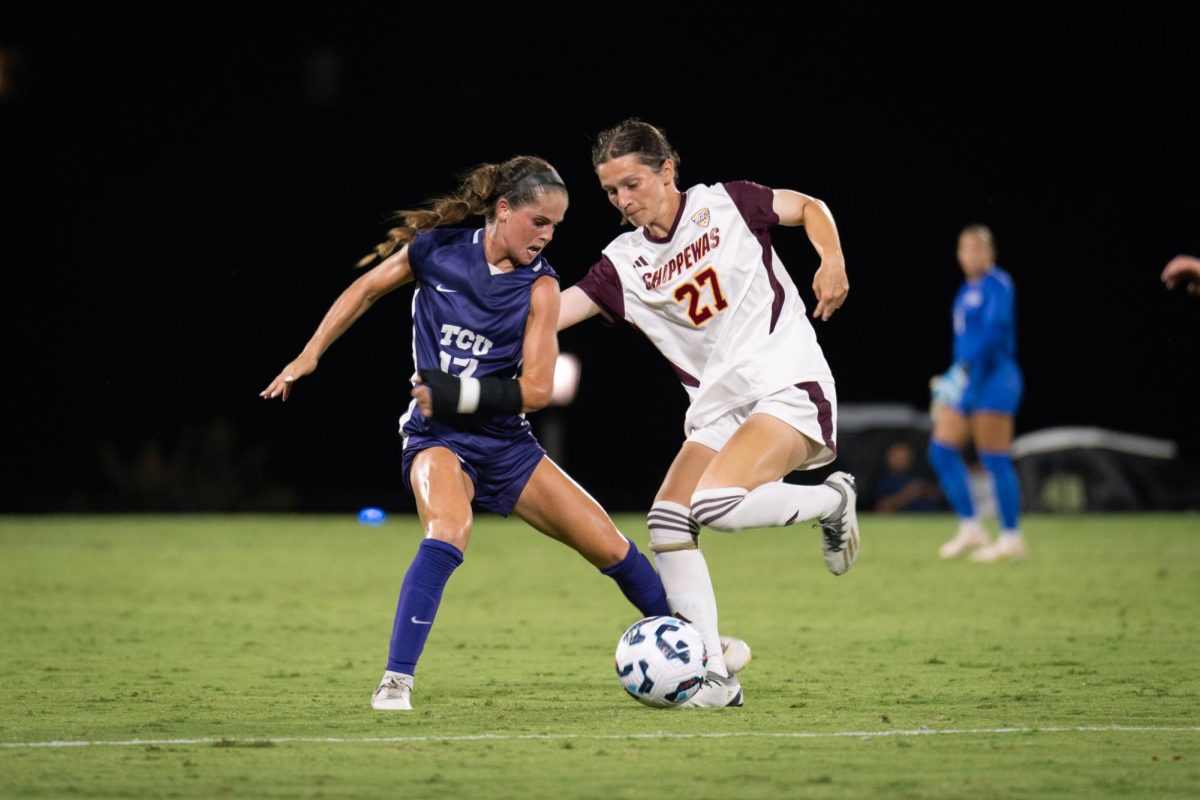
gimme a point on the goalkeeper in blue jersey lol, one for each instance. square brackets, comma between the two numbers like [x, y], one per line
[976, 400]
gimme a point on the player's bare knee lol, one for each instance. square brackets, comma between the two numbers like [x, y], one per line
[450, 532]
[611, 552]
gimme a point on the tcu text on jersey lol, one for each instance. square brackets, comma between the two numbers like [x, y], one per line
[465, 339]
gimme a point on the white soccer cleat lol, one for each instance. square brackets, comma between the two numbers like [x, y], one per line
[968, 538]
[716, 692]
[1006, 548]
[736, 654]
[394, 693]
[840, 528]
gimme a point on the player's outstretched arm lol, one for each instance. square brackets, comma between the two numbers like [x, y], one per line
[574, 307]
[351, 304]
[830, 284]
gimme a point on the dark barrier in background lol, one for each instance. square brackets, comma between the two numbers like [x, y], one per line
[1062, 469]
[1093, 469]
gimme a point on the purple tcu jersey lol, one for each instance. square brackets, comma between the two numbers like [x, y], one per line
[467, 321]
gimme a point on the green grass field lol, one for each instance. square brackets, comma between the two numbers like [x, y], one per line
[235, 656]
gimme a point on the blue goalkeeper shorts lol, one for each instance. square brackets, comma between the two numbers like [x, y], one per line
[998, 391]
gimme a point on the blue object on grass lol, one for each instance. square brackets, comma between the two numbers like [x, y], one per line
[371, 516]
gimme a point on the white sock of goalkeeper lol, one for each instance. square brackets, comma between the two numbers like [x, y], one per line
[684, 574]
[771, 505]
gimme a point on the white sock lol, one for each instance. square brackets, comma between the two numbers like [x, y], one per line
[771, 505]
[970, 526]
[684, 574]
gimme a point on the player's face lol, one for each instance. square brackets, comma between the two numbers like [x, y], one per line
[641, 194]
[522, 233]
[899, 458]
[975, 253]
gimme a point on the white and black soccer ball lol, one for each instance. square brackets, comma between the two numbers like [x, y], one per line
[661, 661]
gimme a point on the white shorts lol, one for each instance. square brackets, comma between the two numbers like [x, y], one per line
[810, 408]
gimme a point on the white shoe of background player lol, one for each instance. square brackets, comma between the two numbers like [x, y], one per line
[1005, 548]
[968, 538]
[394, 693]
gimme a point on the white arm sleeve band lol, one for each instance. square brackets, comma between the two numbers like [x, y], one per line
[468, 395]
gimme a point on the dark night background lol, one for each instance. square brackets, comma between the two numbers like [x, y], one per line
[188, 187]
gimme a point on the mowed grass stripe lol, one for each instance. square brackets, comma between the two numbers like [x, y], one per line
[551, 737]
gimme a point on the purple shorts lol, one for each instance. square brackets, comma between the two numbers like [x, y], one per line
[499, 468]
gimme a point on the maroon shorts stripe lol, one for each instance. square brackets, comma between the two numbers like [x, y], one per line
[824, 411]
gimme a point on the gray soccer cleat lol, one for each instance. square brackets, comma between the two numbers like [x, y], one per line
[840, 528]
[716, 692]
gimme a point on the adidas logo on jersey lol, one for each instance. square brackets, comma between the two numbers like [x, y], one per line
[641, 262]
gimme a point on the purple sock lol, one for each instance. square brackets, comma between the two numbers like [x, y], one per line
[640, 583]
[420, 595]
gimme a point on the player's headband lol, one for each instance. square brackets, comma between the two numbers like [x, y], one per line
[530, 182]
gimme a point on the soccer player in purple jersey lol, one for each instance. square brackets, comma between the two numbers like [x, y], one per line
[976, 400]
[700, 278]
[484, 343]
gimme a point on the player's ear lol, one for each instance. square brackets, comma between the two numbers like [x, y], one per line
[668, 171]
[503, 209]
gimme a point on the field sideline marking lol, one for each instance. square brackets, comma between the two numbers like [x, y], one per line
[491, 737]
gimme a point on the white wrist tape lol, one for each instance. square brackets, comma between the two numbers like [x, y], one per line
[468, 395]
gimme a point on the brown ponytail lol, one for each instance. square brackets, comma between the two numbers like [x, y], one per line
[519, 179]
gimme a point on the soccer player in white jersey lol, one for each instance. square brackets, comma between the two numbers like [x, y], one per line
[700, 279]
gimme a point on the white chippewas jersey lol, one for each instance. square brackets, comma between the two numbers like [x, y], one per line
[714, 299]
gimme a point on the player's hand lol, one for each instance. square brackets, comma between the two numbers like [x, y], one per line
[424, 398]
[830, 285]
[282, 385]
[947, 389]
[1183, 270]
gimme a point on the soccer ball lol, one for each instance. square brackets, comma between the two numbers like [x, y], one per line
[661, 661]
